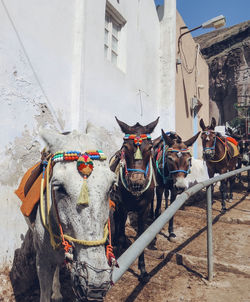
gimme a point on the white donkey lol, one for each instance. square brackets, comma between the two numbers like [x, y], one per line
[81, 224]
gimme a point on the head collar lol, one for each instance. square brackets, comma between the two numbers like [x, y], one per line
[137, 141]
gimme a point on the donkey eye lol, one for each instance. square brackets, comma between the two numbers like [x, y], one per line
[126, 146]
[148, 147]
[59, 188]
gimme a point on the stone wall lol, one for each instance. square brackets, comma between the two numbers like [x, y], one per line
[227, 52]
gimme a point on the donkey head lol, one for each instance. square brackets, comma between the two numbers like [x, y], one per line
[136, 154]
[89, 267]
[178, 159]
[208, 138]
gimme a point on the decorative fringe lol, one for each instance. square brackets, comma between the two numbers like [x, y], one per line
[84, 194]
[138, 154]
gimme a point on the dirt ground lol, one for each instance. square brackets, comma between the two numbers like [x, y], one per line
[178, 271]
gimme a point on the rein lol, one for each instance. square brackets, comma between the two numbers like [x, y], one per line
[151, 175]
[65, 156]
[145, 172]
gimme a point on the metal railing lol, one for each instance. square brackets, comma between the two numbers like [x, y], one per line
[133, 252]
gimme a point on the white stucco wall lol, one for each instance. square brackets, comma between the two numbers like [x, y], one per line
[110, 91]
[53, 72]
[167, 99]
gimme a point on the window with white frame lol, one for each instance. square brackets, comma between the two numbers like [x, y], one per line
[113, 30]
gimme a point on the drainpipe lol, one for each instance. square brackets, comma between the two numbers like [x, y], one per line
[168, 66]
[77, 112]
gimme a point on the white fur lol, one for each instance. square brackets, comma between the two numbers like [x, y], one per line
[180, 183]
[81, 222]
[198, 172]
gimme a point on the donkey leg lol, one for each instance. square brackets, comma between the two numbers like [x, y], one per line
[120, 240]
[152, 215]
[239, 165]
[45, 272]
[141, 262]
[248, 181]
[172, 236]
[159, 193]
[223, 196]
[231, 183]
[56, 287]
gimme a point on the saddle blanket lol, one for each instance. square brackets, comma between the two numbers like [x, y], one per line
[233, 149]
[232, 140]
[29, 188]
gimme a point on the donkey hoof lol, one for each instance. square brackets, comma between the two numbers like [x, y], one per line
[172, 237]
[223, 210]
[144, 277]
[152, 244]
[57, 299]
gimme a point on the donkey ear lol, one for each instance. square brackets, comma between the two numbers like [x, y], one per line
[52, 138]
[168, 140]
[124, 127]
[156, 142]
[229, 131]
[150, 127]
[213, 123]
[190, 141]
[202, 124]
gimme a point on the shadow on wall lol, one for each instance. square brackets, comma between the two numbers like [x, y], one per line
[23, 274]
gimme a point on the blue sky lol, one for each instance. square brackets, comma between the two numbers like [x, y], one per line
[196, 12]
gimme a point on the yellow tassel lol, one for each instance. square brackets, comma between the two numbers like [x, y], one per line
[138, 154]
[84, 194]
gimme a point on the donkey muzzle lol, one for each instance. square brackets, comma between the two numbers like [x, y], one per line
[136, 181]
[86, 291]
[208, 154]
[180, 185]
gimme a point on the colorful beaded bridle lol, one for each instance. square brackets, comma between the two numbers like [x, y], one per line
[137, 141]
[84, 166]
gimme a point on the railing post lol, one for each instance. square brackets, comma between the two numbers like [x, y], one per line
[209, 234]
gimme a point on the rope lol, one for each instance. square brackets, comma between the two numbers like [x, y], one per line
[90, 242]
[109, 248]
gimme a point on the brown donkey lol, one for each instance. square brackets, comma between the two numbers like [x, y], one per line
[220, 155]
[134, 191]
[173, 162]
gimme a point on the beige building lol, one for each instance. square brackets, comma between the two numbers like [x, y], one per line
[192, 84]
[184, 76]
